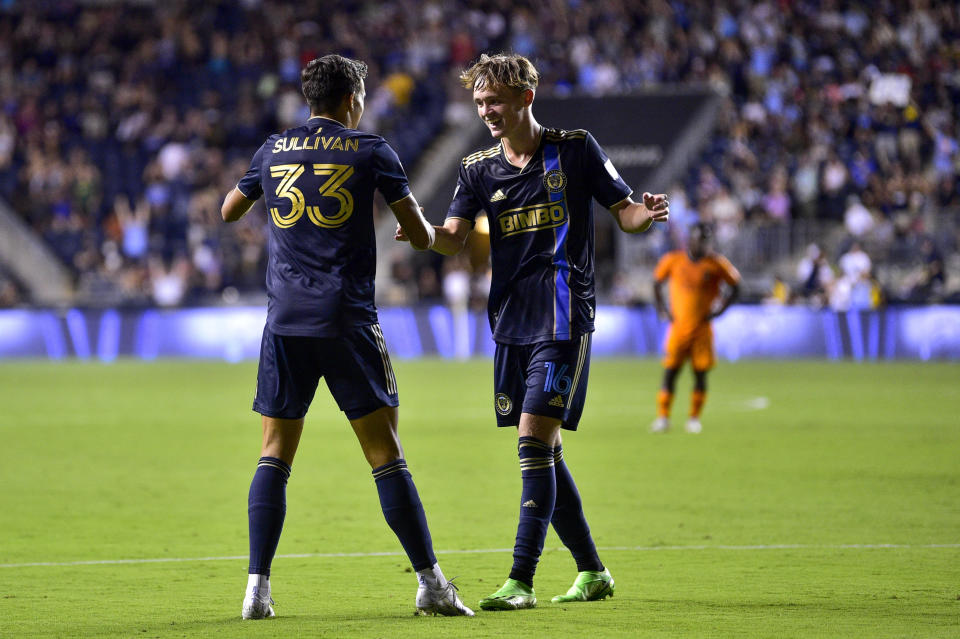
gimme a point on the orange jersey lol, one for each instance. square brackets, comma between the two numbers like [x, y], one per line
[693, 285]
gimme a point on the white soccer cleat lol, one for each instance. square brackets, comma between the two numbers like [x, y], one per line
[442, 600]
[256, 603]
[660, 425]
[694, 426]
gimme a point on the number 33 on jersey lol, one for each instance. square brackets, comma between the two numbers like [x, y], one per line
[318, 182]
[333, 188]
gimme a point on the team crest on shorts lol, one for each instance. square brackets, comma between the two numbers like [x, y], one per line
[503, 404]
[555, 180]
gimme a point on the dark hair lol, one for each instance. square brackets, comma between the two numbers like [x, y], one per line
[328, 80]
[705, 230]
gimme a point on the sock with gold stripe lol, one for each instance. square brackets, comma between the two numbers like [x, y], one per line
[404, 513]
[536, 506]
[266, 509]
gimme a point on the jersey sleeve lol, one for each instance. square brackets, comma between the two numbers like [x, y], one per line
[249, 184]
[465, 204]
[662, 271]
[728, 272]
[389, 176]
[605, 184]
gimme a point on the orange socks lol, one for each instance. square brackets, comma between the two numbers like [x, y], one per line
[664, 400]
[696, 402]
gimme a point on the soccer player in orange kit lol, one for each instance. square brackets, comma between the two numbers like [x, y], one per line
[694, 284]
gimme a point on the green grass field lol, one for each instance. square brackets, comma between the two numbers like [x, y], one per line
[821, 500]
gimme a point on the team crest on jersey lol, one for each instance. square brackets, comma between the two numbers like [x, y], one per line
[555, 180]
[503, 404]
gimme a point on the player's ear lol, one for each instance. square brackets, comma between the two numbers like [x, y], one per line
[528, 97]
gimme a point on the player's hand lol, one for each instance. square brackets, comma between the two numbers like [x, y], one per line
[658, 205]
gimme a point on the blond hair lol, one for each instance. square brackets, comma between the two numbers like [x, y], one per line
[503, 69]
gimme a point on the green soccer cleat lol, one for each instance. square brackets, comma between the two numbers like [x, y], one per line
[513, 595]
[590, 585]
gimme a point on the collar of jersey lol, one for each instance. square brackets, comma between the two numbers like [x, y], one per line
[311, 119]
[514, 167]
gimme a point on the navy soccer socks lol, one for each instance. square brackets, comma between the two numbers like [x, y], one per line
[568, 519]
[404, 512]
[266, 508]
[536, 506]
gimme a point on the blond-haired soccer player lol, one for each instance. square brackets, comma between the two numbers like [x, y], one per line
[537, 187]
[694, 276]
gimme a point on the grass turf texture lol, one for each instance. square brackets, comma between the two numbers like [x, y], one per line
[153, 460]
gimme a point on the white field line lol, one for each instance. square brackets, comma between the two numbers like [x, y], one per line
[745, 403]
[478, 551]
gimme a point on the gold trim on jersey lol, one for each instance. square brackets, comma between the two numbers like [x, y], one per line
[400, 200]
[473, 158]
[559, 135]
[244, 194]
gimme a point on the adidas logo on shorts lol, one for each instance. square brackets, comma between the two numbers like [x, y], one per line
[556, 401]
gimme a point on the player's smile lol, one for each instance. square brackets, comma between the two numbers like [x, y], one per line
[494, 120]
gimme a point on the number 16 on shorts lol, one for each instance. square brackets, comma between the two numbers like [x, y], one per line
[556, 380]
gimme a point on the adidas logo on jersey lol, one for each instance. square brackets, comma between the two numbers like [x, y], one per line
[556, 401]
[529, 504]
[496, 197]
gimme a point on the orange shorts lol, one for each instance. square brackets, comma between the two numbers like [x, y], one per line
[696, 344]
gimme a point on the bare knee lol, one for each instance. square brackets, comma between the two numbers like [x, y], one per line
[281, 437]
[377, 434]
[546, 429]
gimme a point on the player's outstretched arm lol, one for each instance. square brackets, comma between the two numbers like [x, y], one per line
[450, 238]
[412, 224]
[235, 205]
[634, 217]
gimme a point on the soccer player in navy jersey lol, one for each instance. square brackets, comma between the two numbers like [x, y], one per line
[537, 186]
[318, 180]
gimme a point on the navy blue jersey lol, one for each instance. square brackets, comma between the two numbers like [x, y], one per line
[541, 232]
[319, 180]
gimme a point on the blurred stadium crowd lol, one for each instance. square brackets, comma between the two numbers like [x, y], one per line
[122, 125]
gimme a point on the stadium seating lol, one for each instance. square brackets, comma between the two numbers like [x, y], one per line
[122, 125]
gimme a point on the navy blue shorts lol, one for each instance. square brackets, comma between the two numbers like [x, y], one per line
[548, 379]
[356, 367]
